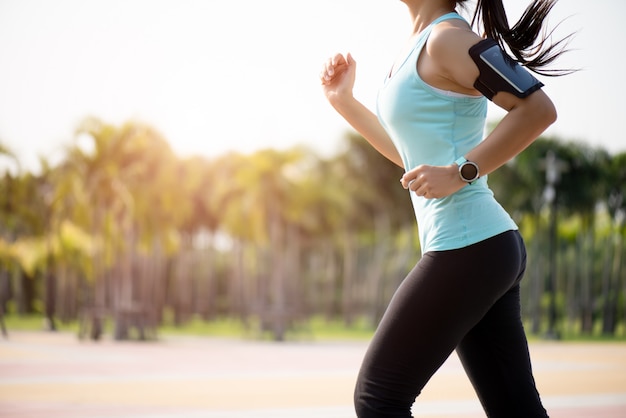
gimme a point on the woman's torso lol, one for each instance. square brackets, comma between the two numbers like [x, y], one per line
[435, 127]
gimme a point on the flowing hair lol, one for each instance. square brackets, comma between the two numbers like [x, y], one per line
[527, 40]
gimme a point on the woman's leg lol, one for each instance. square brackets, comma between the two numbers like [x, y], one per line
[439, 302]
[495, 356]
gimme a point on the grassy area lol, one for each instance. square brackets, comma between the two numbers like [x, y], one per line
[316, 329]
[36, 323]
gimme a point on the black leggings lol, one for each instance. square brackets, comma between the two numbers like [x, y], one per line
[466, 299]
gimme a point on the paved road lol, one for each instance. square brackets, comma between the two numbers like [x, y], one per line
[57, 376]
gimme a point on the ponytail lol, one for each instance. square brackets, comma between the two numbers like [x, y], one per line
[526, 40]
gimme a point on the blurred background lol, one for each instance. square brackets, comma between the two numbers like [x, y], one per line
[173, 166]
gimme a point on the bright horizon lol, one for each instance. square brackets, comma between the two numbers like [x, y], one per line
[214, 76]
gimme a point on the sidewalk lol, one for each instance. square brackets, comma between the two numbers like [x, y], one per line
[57, 376]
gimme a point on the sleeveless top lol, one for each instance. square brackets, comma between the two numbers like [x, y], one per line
[434, 127]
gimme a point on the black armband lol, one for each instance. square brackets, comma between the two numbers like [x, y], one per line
[499, 72]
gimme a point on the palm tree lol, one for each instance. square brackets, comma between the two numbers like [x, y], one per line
[123, 193]
[22, 214]
[268, 193]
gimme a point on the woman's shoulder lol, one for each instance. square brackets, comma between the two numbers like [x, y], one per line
[448, 49]
[451, 35]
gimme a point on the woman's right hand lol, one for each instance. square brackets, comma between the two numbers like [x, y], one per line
[338, 76]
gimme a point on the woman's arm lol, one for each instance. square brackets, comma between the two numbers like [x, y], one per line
[447, 64]
[526, 119]
[338, 76]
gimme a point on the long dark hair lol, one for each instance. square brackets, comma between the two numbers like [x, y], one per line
[527, 40]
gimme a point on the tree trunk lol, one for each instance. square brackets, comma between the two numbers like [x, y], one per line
[277, 308]
[612, 284]
[608, 319]
[376, 273]
[238, 302]
[573, 304]
[536, 284]
[349, 276]
[5, 289]
[207, 296]
[586, 265]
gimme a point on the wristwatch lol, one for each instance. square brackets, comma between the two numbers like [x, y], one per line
[468, 170]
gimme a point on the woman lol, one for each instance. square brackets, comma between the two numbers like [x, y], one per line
[464, 292]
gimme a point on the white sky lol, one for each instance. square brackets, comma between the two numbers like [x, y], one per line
[215, 75]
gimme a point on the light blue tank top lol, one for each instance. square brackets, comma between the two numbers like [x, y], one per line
[429, 126]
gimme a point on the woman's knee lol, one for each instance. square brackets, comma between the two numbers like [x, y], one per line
[372, 403]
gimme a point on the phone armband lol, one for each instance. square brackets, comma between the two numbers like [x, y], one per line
[499, 72]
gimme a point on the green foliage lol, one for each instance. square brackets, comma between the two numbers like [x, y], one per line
[279, 241]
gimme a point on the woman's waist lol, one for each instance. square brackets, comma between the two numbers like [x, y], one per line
[475, 205]
[461, 223]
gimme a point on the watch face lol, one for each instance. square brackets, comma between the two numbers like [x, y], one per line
[469, 172]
